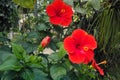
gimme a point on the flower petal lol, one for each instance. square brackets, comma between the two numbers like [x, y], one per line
[89, 56]
[66, 22]
[60, 13]
[50, 10]
[79, 35]
[77, 57]
[89, 41]
[69, 44]
[55, 20]
[68, 11]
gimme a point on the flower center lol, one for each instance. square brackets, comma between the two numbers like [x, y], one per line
[62, 10]
[85, 48]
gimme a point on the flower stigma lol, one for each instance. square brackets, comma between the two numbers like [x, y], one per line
[85, 48]
[62, 10]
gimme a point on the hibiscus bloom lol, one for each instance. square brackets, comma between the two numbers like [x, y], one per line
[95, 65]
[80, 46]
[59, 13]
[45, 41]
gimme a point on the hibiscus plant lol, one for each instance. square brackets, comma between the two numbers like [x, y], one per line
[56, 40]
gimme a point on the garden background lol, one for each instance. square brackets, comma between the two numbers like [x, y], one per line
[24, 25]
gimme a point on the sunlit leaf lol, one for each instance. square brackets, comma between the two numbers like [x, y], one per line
[18, 50]
[25, 3]
[94, 3]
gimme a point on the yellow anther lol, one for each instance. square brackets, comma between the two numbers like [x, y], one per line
[103, 62]
[85, 48]
[62, 10]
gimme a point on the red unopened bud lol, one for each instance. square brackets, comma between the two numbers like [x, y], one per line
[45, 41]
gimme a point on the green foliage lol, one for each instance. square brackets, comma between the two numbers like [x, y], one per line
[107, 31]
[18, 51]
[20, 61]
[8, 15]
[108, 28]
[23, 58]
[25, 3]
[40, 75]
[69, 2]
[94, 3]
[57, 72]
[58, 55]
[27, 75]
[9, 75]
[10, 64]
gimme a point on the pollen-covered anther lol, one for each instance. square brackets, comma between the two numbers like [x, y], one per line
[62, 10]
[103, 62]
[85, 48]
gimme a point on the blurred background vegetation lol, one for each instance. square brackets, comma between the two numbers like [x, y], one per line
[26, 23]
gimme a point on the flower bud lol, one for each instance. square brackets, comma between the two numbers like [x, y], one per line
[45, 41]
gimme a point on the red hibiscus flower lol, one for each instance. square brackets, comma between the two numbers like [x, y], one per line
[45, 41]
[80, 46]
[59, 13]
[95, 65]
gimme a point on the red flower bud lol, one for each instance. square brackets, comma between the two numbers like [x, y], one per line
[45, 41]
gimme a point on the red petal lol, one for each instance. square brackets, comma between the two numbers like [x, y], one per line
[54, 7]
[55, 20]
[69, 44]
[89, 41]
[88, 56]
[79, 35]
[68, 11]
[58, 4]
[50, 11]
[56, 16]
[77, 57]
[66, 21]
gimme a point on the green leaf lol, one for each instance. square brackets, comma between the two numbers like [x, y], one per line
[42, 26]
[59, 55]
[29, 47]
[18, 50]
[62, 51]
[33, 61]
[67, 64]
[5, 52]
[94, 3]
[8, 75]
[70, 2]
[39, 75]
[25, 3]
[53, 57]
[10, 63]
[3, 39]
[57, 72]
[33, 34]
[80, 10]
[27, 75]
